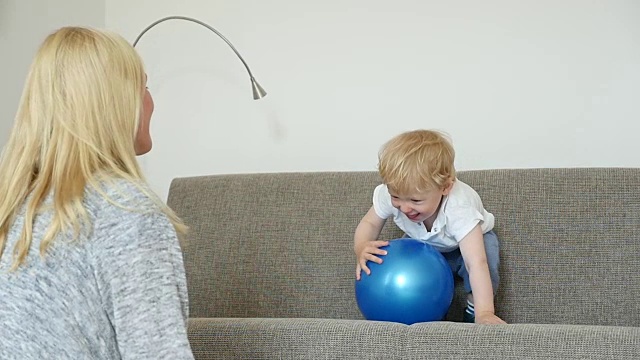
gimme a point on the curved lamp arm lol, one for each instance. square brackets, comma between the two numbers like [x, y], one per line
[258, 91]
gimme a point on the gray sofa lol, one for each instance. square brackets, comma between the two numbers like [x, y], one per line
[270, 268]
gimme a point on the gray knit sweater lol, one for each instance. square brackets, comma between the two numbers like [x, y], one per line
[117, 293]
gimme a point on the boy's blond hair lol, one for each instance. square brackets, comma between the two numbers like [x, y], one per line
[417, 161]
[75, 127]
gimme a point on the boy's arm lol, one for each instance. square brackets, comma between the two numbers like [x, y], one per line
[475, 260]
[365, 244]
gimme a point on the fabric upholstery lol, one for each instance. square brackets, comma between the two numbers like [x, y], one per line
[268, 338]
[281, 246]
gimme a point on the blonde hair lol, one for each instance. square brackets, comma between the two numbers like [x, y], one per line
[418, 160]
[75, 127]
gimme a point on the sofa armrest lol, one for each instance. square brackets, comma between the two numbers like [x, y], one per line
[448, 340]
[297, 338]
[268, 338]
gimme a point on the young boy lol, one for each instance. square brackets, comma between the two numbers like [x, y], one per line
[426, 201]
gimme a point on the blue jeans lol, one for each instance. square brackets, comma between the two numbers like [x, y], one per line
[492, 248]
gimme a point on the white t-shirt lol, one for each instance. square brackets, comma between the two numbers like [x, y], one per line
[461, 210]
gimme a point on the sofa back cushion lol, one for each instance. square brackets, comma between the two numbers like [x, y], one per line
[281, 244]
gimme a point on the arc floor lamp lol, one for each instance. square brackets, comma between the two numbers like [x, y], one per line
[258, 91]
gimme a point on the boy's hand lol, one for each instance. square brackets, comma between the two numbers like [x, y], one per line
[365, 245]
[488, 318]
[368, 251]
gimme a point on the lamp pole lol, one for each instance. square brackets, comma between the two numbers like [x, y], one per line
[258, 91]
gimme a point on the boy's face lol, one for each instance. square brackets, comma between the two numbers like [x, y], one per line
[419, 206]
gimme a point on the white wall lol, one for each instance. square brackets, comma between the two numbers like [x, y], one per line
[516, 83]
[23, 26]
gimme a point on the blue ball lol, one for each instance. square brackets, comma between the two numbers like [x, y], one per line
[413, 284]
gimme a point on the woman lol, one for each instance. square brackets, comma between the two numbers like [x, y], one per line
[90, 264]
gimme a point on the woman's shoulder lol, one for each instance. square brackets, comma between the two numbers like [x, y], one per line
[118, 207]
[120, 198]
[125, 192]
